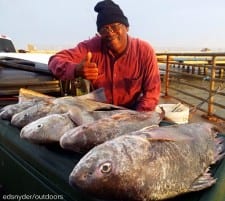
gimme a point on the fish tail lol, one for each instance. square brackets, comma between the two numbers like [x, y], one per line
[220, 149]
[97, 95]
[204, 181]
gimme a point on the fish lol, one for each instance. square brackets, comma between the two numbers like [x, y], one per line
[86, 104]
[80, 116]
[37, 111]
[50, 128]
[81, 108]
[47, 129]
[27, 98]
[151, 163]
[62, 105]
[8, 111]
[84, 137]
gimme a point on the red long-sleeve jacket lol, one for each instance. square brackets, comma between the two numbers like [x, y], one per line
[132, 81]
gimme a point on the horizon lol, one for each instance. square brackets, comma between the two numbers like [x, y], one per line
[166, 25]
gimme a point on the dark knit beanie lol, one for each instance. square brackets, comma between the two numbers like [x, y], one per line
[108, 13]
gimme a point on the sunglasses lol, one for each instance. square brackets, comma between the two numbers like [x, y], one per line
[112, 28]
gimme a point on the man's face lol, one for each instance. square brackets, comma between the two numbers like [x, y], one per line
[115, 37]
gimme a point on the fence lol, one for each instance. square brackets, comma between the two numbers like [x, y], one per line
[196, 79]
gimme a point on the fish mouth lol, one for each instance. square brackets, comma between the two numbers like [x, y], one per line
[72, 181]
[95, 190]
[78, 178]
[81, 184]
[22, 133]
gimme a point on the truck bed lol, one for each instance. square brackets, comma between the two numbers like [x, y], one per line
[43, 170]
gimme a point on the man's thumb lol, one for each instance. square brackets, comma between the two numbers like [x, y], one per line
[88, 57]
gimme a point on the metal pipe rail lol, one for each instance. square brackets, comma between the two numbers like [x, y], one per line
[202, 89]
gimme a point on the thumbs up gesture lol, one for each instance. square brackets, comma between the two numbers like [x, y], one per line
[87, 69]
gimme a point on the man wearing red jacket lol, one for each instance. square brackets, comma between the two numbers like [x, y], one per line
[125, 67]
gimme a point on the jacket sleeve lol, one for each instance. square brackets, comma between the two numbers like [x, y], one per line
[151, 85]
[63, 63]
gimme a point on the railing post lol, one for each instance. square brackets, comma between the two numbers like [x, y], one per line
[212, 86]
[167, 75]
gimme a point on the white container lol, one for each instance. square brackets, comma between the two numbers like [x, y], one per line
[176, 113]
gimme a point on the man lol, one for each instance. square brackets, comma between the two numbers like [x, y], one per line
[125, 67]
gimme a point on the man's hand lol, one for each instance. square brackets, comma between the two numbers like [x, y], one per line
[87, 69]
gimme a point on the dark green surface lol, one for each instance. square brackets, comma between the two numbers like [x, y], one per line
[28, 168]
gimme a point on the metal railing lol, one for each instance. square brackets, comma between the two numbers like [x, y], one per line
[196, 79]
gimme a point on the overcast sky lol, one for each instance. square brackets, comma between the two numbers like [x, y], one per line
[166, 24]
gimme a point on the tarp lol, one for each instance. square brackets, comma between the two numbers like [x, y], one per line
[28, 168]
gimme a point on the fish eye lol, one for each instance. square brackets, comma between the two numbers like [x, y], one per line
[26, 115]
[39, 125]
[106, 167]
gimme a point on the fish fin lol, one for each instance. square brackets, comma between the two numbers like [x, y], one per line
[204, 181]
[161, 139]
[75, 114]
[149, 127]
[168, 138]
[156, 133]
[97, 95]
[109, 107]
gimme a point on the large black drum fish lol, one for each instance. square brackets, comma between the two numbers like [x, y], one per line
[151, 164]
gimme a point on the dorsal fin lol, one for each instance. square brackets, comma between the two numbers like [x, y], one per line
[156, 133]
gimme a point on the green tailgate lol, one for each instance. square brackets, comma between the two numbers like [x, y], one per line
[28, 169]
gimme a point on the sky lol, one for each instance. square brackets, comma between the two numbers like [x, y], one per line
[165, 24]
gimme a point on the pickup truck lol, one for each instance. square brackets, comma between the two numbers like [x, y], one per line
[6, 44]
[16, 73]
[27, 70]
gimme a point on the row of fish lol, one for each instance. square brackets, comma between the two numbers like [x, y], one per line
[127, 156]
[45, 119]
[31, 109]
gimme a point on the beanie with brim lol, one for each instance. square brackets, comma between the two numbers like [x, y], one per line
[108, 13]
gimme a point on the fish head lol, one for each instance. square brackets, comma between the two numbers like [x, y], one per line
[95, 173]
[21, 119]
[77, 140]
[47, 129]
[9, 110]
[31, 114]
[33, 131]
[107, 171]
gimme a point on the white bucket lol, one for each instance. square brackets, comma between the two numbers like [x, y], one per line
[176, 113]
